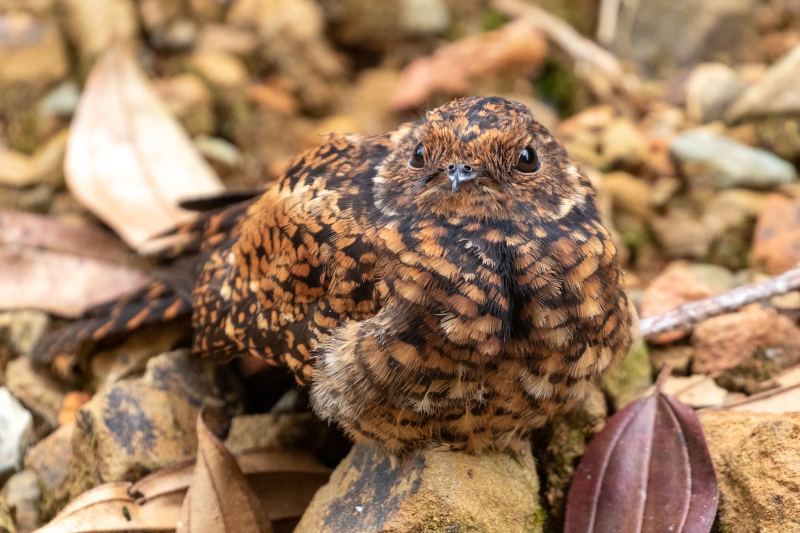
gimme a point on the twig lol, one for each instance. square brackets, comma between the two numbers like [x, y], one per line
[689, 314]
[598, 67]
[607, 21]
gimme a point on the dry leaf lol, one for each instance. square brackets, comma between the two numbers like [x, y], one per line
[648, 470]
[516, 47]
[128, 160]
[111, 508]
[783, 399]
[219, 498]
[695, 391]
[64, 269]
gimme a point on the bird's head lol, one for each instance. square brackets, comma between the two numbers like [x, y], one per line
[482, 157]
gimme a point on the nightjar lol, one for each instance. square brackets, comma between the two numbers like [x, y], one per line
[446, 284]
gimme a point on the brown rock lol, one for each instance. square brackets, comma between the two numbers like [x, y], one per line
[44, 166]
[49, 460]
[756, 459]
[725, 341]
[431, 491]
[675, 286]
[92, 25]
[35, 388]
[228, 39]
[21, 330]
[776, 240]
[22, 493]
[776, 93]
[629, 193]
[583, 134]
[6, 518]
[220, 70]
[676, 356]
[272, 430]
[34, 59]
[137, 426]
[190, 101]
[623, 144]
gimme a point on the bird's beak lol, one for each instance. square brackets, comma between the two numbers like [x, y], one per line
[458, 174]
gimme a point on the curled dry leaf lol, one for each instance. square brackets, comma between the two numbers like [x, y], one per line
[515, 46]
[219, 498]
[111, 508]
[648, 470]
[128, 160]
[61, 268]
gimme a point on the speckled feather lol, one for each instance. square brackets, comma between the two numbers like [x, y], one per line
[420, 316]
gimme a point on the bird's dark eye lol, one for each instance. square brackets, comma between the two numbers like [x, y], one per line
[528, 161]
[418, 157]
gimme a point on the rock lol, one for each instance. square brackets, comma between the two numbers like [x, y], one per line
[16, 427]
[34, 59]
[141, 425]
[423, 16]
[292, 35]
[776, 239]
[673, 287]
[364, 22]
[623, 144]
[631, 378]
[189, 100]
[776, 93]
[755, 457]
[219, 151]
[558, 447]
[168, 22]
[6, 518]
[92, 25]
[227, 39]
[45, 166]
[62, 100]
[36, 389]
[780, 134]
[431, 491]
[696, 391]
[725, 341]
[272, 430]
[706, 30]
[222, 71]
[21, 330]
[49, 460]
[677, 357]
[710, 91]
[718, 278]
[583, 133]
[23, 495]
[629, 193]
[73, 401]
[714, 161]
[730, 218]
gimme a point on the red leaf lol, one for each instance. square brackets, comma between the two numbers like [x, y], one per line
[647, 471]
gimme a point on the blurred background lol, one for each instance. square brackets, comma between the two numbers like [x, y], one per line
[621, 83]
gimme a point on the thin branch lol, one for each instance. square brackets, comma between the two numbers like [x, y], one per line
[607, 21]
[689, 314]
[595, 65]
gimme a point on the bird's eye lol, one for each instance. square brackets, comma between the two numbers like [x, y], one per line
[418, 157]
[528, 161]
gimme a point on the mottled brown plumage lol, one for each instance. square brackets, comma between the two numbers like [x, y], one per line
[449, 283]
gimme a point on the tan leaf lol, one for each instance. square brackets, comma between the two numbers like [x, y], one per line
[128, 160]
[111, 508]
[515, 47]
[61, 268]
[219, 498]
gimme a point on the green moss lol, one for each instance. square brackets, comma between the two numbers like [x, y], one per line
[558, 86]
[491, 20]
[630, 379]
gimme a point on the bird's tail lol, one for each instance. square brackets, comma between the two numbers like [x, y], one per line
[167, 298]
[155, 303]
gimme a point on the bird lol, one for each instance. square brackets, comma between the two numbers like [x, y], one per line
[449, 284]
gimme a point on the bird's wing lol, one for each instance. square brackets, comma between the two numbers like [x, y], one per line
[301, 263]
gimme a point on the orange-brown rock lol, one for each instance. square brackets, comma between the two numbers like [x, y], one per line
[776, 240]
[757, 460]
[725, 341]
[674, 287]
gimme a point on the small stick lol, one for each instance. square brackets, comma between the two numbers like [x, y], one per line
[689, 314]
